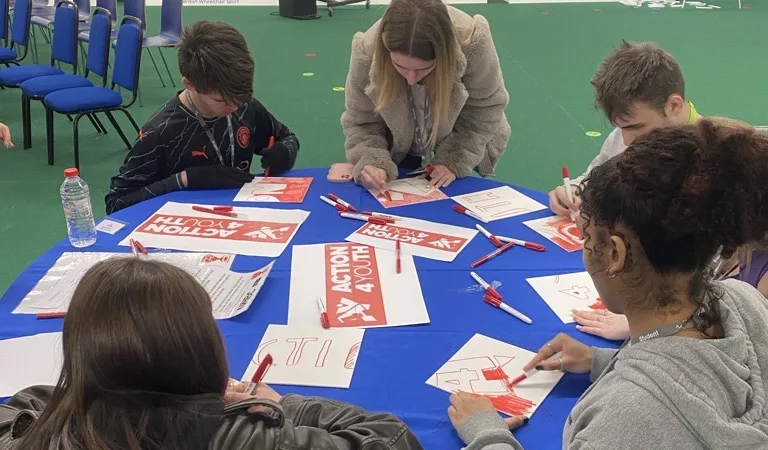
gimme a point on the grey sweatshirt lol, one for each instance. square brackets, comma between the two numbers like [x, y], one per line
[613, 145]
[669, 393]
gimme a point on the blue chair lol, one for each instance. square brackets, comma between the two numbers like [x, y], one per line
[63, 49]
[22, 14]
[91, 100]
[96, 62]
[44, 20]
[170, 34]
[5, 17]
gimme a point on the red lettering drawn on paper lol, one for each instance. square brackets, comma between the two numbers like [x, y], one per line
[598, 305]
[279, 189]
[421, 238]
[566, 234]
[353, 289]
[225, 228]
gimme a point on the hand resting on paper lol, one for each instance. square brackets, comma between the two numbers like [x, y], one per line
[465, 405]
[602, 323]
[576, 357]
[559, 203]
[441, 176]
[236, 392]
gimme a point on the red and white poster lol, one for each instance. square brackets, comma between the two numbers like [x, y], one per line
[417, 237]
[564, 293]
[560, 230]
[408, 191]
[254, 232]
[275, 189]
[358, 285]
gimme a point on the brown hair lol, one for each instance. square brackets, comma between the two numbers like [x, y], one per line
[636, 72]
[144, 364]
[685, 191]
[421, 29]
[214, 57]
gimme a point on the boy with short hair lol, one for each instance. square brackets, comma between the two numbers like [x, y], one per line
[639, 87]
[206, 136]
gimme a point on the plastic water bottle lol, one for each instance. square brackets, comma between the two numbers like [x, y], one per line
[76, 198]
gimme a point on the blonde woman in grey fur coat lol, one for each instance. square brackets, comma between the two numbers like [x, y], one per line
[424, 86]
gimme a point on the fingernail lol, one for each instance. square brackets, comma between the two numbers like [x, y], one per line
[526, 420]
[539, 367]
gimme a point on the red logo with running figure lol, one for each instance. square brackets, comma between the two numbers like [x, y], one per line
[243, 136]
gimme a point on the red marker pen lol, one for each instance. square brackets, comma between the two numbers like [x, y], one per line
[491, 300]
[259, 375]
[341, 202]
[213, 211]
[364, 218]
[488, 288]
[526, 244]
[493, 254]
[397, 251]
[50, 315]
[568, 189]
[269, 145]
[340, 208]
[460, 209]
[494, 240]
[323, 314]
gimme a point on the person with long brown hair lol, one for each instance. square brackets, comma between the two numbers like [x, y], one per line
[145, 369]
[424, 87]
[692, 374]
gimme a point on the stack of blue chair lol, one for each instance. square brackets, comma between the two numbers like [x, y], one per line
[19, 37]
[96, 63]
[84, 101]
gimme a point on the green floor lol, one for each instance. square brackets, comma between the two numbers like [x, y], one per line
[547, 53]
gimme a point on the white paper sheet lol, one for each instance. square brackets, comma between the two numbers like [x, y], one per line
[560, 230]
[231, 292]
[485, 366]
[257, 232]
[110, 226]
[408, 191]
[498, 203]
[566, 292]
[308, 357]
[417, 237]
[29, 361]
[358, 284]
[274, 189]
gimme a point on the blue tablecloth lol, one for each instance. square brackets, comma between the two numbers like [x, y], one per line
[393, 363]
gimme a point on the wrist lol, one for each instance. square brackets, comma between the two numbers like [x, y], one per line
[184, 181]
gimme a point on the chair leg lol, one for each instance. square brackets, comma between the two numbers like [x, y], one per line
[98, 121]
[26, 119]
[93, 122]
[76, 141]
[49, 133]
[34, 44]
[130, 117]
[170, 77]
[152, 58]
[118, 129]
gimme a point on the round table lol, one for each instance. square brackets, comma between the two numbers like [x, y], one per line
[393, 363]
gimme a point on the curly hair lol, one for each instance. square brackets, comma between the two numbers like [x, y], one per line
[686, 191]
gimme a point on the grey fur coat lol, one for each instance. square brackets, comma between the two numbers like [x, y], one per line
[475, 132]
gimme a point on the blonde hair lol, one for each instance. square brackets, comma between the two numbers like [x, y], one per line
[421, 29]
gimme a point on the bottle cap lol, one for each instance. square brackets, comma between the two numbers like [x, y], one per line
[71, 172]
